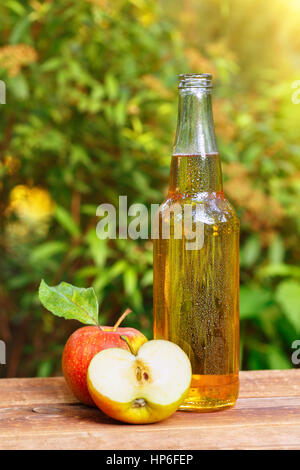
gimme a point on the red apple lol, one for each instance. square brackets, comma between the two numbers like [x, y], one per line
[85, 343]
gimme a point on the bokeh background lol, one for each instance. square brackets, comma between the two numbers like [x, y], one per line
[90, 115]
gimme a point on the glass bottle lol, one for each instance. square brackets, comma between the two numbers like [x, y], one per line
[196, 283]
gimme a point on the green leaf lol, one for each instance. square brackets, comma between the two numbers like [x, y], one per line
[45, 368]
[20, 281]
[88, 209]
[130, 281]
[16, 7]
[79, 155]
[277, 359]
[257, 360]
[253, 301]
[288, 297]
[250, 251]
[276, 250]
[147, 279]
[98, 249]
[280, 270]
[66, 221]
[19, 31]
[111, 86]
[52, 64]
[19, 87]
[70, 302]
[47, 250]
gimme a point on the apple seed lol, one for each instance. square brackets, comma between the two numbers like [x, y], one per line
[139, 403]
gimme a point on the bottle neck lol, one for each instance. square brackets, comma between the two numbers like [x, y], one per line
[195, 134]
[195, 174]
[195, 164]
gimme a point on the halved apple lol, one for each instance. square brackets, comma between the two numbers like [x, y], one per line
[142, 388]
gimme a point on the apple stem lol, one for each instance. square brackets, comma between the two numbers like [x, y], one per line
[124, 338]
[124, 315]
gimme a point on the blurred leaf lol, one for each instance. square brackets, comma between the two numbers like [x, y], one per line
[66, 221]
[79, 155]
[51, 64]
[98, 248]
[16, 7]
[276, 250]
[45, 368]
[18, 86]
[253, 301]
[288, 297]
[257, 360]
[19, 30]
[130, 281]
[107, 275]
[277, 358]
[250, 251]
[252, 152]
[17, 282]
[87, 271]
[147, 279]
[88, 209]
[46, 251]
[280, 270]
[111, 86]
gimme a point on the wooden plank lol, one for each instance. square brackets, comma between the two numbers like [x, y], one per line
[270, 383]
[24, 391]
[60, 418]
[42, 414]
[253, 423]
[249, 439]
[38, 390]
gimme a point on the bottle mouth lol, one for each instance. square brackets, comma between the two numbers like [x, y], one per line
[195, 80]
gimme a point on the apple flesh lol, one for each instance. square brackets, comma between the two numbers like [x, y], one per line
[143, 388]
[82, 346]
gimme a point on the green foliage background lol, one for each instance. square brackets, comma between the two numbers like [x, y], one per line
[90, 115]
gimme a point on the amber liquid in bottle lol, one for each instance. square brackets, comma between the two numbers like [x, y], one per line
[196, 290]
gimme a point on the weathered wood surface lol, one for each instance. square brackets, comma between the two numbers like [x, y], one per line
[42, 414]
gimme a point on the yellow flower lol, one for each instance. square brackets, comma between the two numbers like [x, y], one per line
[31, 204]
[13, 58]
[147, 18]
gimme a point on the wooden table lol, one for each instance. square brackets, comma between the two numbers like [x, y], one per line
[42, 414]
